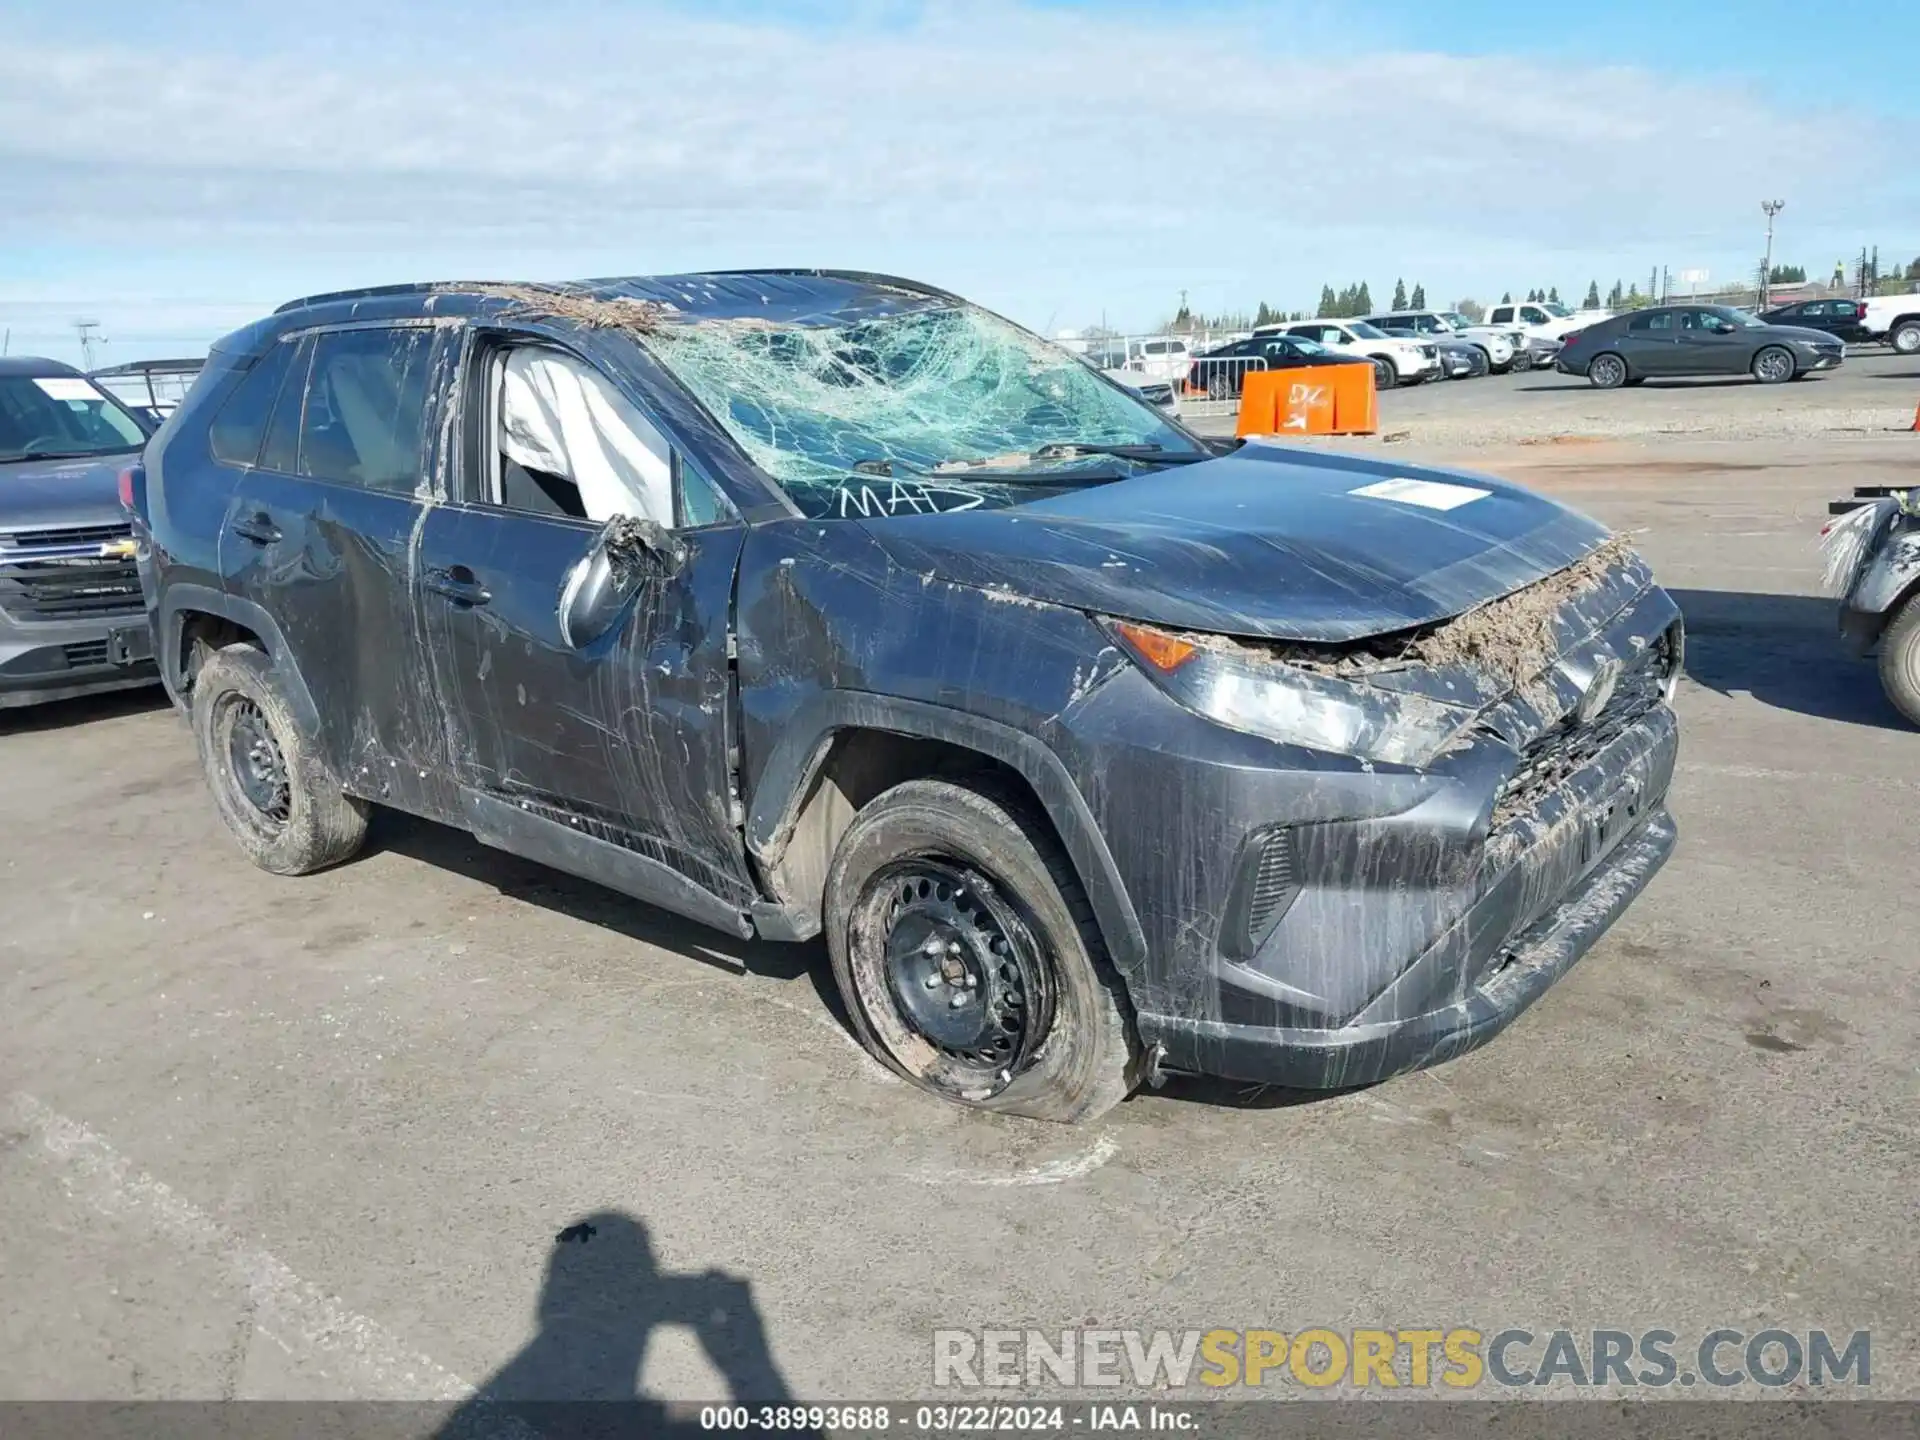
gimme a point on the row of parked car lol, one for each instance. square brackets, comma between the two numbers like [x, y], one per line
[1410, 347]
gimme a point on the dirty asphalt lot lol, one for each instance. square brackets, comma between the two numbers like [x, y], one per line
[295, 1138]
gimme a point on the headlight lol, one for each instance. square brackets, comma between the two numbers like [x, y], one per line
[1234, 685]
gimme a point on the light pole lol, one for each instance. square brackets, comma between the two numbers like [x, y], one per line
[1773, 208]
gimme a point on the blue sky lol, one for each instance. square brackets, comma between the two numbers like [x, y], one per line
[175, 169]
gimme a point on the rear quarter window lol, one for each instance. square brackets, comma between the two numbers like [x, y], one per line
[241, 422]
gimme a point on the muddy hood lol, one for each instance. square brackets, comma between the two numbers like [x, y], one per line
[1269, 541]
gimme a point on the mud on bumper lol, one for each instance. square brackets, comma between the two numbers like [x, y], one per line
[1365, 1051]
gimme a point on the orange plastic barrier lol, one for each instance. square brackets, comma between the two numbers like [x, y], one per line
[1309, 400]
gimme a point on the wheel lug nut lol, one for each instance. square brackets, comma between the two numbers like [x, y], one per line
[970, 981]
[957, 1001]
[933, 982]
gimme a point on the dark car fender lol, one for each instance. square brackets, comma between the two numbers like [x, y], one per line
[808, 738]
[178, 601]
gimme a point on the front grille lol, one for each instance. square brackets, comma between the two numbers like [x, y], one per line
[67, 587]
[1552, 757]
[90, 652]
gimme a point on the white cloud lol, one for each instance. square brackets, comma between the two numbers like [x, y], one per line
[1052, 159]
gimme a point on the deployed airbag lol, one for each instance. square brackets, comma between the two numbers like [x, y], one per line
[561, 417]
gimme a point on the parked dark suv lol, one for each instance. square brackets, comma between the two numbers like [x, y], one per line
[800, 602]
[71, 620]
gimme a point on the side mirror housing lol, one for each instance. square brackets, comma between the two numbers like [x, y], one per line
[626, 555]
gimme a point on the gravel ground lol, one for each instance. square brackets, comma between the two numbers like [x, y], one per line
[1875, 392]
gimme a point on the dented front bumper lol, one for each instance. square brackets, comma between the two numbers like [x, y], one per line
[1317, 923]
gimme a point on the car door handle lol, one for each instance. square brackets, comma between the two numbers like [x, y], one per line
[258, 528]
[458, 584]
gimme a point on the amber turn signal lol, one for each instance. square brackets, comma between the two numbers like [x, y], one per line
[1166, 653]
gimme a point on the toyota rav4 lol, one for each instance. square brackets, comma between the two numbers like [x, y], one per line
[809, 603]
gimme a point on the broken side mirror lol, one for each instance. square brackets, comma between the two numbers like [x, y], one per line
[626, 555]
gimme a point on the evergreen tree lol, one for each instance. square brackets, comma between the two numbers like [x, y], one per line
[1399, 294]
[1615, 296]
[1506, 297]
[1592, 302]
[1553, 295]
[1262, 316]
[1419, 301]
[1362, 301]
[1328, 306]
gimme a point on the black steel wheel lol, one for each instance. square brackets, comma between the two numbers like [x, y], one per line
[256, 770]
[968, 957]
[964, 971]
[279, 801]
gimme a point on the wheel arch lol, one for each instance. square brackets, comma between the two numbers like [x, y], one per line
[191, 613]
[846, 747]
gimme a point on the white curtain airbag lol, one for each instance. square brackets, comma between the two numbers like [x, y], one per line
[561, 417]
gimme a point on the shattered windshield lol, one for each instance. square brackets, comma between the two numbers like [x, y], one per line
[936, 407]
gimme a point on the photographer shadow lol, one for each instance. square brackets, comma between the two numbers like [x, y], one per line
[603, 1298]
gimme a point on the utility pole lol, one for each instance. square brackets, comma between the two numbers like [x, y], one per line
[1772, 208]
[1653, 286]
[85, 328]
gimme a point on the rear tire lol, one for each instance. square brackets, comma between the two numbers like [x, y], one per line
[969, 959]
[269, 784]
[1905, 338]
[1606, 371]
[1900, 660]
[1774, 365]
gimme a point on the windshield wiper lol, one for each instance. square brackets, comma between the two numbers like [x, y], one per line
[1153, 454]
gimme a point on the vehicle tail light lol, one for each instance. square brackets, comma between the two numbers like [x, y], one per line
[1859, 310]
[1569, 337]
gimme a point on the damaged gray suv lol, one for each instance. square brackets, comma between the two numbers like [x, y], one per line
[810, 603]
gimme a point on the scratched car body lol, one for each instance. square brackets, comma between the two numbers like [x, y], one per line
[1097, 751]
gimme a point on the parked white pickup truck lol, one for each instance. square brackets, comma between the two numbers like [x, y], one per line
[1544, 318]
[1896, 320]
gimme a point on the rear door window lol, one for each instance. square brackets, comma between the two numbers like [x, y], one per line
[241, 422]
[364, 420]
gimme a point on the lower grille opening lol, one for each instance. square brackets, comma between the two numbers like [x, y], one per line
[85, 654]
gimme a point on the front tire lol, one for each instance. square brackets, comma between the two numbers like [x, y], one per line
[1385, 374]
[1900, 660]
[269, 784]
[1774, 365]
[1606, 371]
[968, 957]
[1905, 338]
[1522, 362]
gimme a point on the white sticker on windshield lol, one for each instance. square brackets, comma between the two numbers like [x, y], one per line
[66, 387]
[1428, 494]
